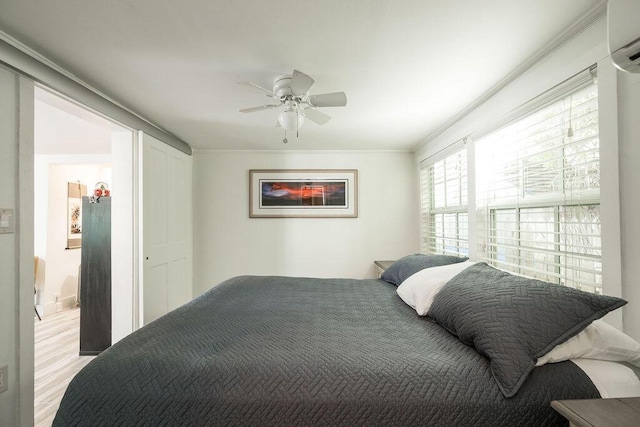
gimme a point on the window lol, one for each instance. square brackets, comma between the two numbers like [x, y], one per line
[539, 192]
[445, 221]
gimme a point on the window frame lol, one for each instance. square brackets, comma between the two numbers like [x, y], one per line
[432, 242]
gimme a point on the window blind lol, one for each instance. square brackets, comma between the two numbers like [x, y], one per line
[539, 192]
[445, 225]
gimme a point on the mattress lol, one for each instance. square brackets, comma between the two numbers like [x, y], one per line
[612, 379]
[304, 351]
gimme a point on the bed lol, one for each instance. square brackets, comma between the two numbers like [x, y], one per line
[266, 350]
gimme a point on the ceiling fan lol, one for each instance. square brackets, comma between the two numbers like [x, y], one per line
[292, 92]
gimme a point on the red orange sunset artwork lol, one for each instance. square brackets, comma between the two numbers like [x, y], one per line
[303, 193]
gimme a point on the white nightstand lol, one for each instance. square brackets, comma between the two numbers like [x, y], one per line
[600, 412]
[381, 266]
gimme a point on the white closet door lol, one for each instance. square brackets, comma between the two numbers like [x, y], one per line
[166, 228]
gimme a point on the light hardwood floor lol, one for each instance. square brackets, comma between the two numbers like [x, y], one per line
[57, 342]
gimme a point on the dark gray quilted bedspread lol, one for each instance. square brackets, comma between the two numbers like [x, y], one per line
[291, 351]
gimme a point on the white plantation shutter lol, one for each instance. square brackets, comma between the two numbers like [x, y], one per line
[445, 225]
[539, 191]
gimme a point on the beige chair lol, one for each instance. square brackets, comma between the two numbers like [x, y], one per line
[35, 275]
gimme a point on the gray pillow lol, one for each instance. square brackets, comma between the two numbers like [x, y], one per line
[513, 320]
[410, 264]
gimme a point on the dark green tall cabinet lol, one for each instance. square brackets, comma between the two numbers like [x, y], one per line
[95, 277]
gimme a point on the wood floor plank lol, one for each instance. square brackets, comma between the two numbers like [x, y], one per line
[57, 361]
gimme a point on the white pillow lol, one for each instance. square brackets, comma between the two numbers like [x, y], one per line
[419, 289]
[597, 341]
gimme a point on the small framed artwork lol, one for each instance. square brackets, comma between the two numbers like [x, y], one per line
[298, 193]
[75, 191]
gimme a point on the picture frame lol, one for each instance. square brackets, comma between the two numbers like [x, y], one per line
[75, 192]
[303, 193]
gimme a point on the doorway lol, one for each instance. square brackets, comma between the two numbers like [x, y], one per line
[75, 148]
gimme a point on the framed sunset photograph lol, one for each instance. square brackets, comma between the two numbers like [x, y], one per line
[312, 193]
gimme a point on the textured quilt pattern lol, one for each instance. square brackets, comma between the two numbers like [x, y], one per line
[514, 320]
[292, 351]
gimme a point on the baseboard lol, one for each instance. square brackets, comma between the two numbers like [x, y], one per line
[65, 304]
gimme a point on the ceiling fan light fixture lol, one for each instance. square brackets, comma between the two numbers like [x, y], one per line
[292, 91]
[291, 120]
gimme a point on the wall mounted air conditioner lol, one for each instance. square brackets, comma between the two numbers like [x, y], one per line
[623, 22]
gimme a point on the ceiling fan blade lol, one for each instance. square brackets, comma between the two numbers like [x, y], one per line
[300, 83]
[316, 116]
[252, 85]
[262, 107]
[336, 99]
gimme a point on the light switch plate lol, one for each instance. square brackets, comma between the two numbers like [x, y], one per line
[4, 380]
[6, 221]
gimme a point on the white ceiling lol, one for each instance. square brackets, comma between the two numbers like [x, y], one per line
[64, 128]
[407, 66]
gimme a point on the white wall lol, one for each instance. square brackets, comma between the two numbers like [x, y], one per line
[58, 264]
[123, 240]
[229, 243]
[629, 134]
